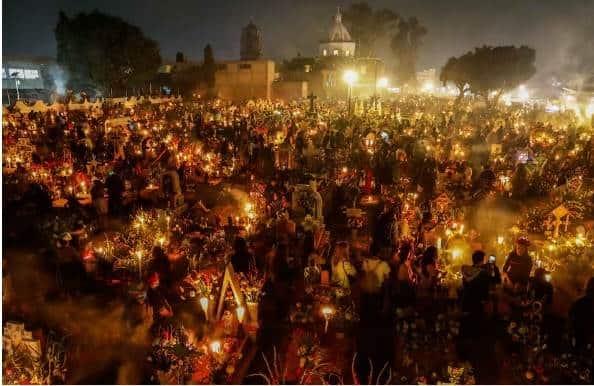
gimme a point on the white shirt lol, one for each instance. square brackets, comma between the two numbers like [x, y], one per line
[377, 267]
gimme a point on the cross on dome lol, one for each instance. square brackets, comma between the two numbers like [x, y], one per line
[338, 32]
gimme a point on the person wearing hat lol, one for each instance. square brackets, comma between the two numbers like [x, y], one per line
[518, 265]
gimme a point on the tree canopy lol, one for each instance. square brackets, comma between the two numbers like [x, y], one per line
[405, 44]
[456, 71]
[367, 26]
[490, 71]
[105, 52]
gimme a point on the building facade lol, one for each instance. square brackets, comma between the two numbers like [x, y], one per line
[245, 79]
[29, 78]
[339, 42]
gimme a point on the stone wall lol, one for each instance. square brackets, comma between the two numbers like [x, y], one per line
[289, 90]
[40, 106]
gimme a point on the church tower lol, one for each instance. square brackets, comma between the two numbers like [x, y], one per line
[339, 42]
[251, 43]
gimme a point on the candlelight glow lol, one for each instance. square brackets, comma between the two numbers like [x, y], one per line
[382, 82]
[215, 346]
[350, 77]
[240, 310]
[204, 304]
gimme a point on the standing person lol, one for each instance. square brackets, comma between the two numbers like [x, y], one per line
[427, 275]
[241, 258]
[375, 273]
[100, 202]
[115, 190]
[518, 265]
[540, 289]
[581, 315]
[382, 235]
[404, 287]
[375, 336]
[475, 287]
[342, 269]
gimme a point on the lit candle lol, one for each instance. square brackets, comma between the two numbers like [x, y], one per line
[240, 310]
[215, 346]
[204, 305]
[327, 312]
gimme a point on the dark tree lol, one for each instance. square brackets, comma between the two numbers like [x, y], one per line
[209, 67]
[491, 71]
[179, 57]
[105, 52]
[368, 26]
[456, 71]
[405, 44]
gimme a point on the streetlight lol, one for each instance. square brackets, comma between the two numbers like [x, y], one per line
[382, 82]
[350, 77]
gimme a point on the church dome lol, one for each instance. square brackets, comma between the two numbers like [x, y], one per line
[338, 32]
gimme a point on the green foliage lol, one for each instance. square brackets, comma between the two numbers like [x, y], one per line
[368, 26]
[105, 52]
[405, 44]
[490, 69]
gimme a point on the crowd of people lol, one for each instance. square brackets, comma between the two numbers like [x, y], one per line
[416, 210]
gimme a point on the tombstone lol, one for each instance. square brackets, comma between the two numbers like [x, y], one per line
[560, 215]
[307, 201]
[496, 149]
[284, 158]
[355, 220]
[370, 141]
[250, 309]
[16, 337]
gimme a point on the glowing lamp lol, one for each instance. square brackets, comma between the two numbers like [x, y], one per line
[523, 94]
[500, 240]
[428, 87]
[350, 77]
[382, 82]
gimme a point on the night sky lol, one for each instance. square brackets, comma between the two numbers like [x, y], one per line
[291, 26]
